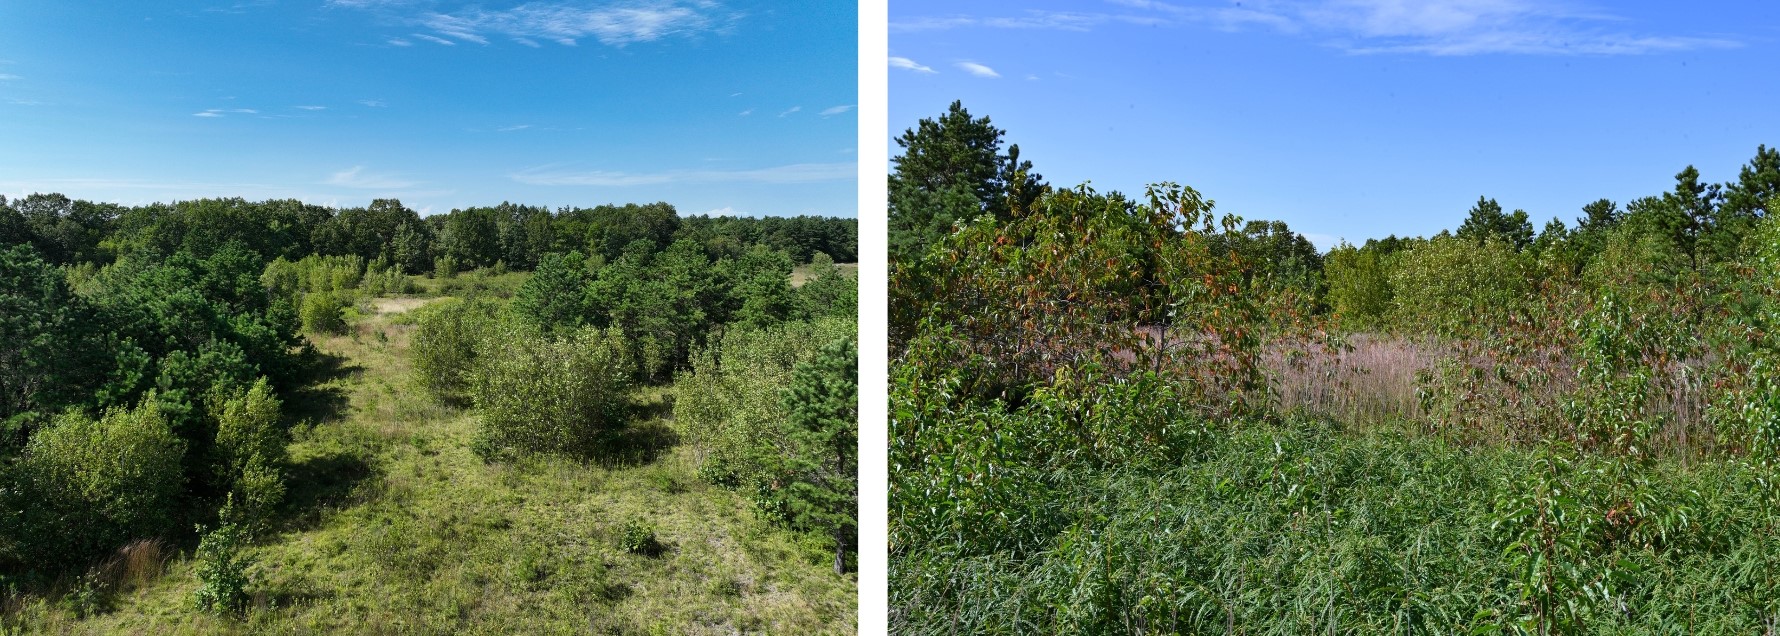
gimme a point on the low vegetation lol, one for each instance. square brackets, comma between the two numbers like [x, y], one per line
[207, 430]
[1136, 416]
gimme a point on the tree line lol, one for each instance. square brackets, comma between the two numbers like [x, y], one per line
[70, 231]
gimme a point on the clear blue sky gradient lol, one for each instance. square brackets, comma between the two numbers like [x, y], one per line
[739, 106]
[1355, 119]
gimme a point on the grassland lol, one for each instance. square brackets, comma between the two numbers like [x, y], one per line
[392, 525]
[803, 273]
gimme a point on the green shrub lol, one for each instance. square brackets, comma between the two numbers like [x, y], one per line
[250, 443]
[1359, 285]
[637, 536]
[98, 483]
[445, 267]
[1458, 287]
[445, 347]
[536, 394]
[221, 568]
[734, 396]
[324, 313]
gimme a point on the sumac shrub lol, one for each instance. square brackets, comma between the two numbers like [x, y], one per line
[1080, 279]
[222, 568]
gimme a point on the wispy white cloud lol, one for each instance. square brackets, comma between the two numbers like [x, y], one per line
[355, 177]
[1431, 27]
[722, 211]
[565, 23]
[1473, 27]
[312, 107]
[529, 42]
[976, 69]
[793, 109]
[513, 128]
[1062, 20]
[434, 40]
[219, 112]
[735, 94]
[400, 42]
[745, 113]
[795, 173]
[373, 103]
[906, 63]
[836, 110]
[6, 77]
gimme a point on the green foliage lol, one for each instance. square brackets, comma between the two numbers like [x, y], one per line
[1081, 441]
[816, 468]
[251, 442]
[1454, 287]
[567, 395]
[1486, 223]
[446, 346]
[732, 401]
[637, 536]
[950, 171]
[324, 313]
[1359, 283]
[221, 568]
[50, 356]
[97, 483]
[762, 294]
[555, 297]
[445, 267]
[1084, 279]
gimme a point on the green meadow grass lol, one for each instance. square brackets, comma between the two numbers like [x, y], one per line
[392, 525]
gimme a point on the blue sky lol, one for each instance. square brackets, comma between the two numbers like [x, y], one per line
[1355, 118]
[727, 106]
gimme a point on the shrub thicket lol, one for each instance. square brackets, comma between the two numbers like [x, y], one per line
[98, 483]
[446, 346]
[539, 394]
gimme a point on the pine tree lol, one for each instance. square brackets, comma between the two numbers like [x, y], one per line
[818, 457]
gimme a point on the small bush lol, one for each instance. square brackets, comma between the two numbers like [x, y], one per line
[637, 536]
[733, 398]
[324, 313]
[445, 267]
[222, 569]
[88, 596]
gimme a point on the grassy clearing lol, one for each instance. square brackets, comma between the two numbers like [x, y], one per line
[802, 273]
[394, 526]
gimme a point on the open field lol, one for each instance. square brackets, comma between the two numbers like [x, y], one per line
[392, 525]
[803, 272]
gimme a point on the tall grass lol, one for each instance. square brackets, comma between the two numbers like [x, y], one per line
[1380, 378]
[1308, 528]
